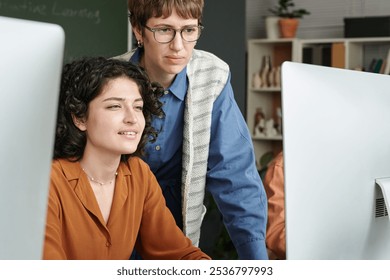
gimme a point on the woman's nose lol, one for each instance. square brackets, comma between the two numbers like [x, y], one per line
[130, 116]
[177, 43]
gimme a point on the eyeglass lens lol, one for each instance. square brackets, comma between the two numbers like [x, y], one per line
[166, 35]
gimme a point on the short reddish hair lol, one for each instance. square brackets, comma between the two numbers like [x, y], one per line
[142, 10]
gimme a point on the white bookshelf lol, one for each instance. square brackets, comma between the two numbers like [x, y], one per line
[358, 52]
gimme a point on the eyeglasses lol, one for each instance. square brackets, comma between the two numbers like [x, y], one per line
[165, 35]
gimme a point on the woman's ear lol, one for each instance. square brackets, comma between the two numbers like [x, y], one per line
[138, 34]
[79, 123]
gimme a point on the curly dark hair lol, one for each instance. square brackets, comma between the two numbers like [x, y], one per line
[82, 81]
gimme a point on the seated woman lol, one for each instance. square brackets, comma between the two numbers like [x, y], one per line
[274, 187]
[104, 201]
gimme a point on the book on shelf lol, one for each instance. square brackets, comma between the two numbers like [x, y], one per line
[371, 67]
[378, 65]
[317, 54]
[338, 55]
[382, 70]
[307, 55]
[386, 69]
[326, 55]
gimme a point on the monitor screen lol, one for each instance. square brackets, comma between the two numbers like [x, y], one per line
[31, 55]
[336, 145]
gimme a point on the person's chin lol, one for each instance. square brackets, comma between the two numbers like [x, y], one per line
[175, 69]
[128, 150]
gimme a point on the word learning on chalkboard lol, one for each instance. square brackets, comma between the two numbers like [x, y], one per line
[53, 9]
[92, 27]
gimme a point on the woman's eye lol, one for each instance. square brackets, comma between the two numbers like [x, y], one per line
[114, 106]
[189, 30]
[139, 108]
[164, 30]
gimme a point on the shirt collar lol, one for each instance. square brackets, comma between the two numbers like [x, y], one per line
[72, 169]
[180, 84]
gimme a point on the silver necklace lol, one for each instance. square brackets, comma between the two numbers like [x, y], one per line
[98, 182]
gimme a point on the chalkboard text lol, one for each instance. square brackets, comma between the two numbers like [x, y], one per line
[53, 10]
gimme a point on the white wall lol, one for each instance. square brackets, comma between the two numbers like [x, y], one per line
[325, 20]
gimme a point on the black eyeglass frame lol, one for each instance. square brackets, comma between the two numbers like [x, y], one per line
[154, 30]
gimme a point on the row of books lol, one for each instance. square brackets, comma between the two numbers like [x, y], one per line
[333, 54]
[380, 65]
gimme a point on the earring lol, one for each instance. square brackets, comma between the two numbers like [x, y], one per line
[140, 44]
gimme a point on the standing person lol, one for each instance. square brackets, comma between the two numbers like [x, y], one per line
[103, 199]
[204, 140]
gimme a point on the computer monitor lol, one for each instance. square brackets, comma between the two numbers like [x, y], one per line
[31, 55]
[336, 126]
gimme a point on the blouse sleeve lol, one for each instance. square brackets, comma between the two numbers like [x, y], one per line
[274, 187]
[53, 244]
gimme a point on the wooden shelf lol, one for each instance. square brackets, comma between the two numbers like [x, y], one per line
[266, 89]
[267, 138]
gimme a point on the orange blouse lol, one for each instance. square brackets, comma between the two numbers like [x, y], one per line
[274, 187]
[75, 228]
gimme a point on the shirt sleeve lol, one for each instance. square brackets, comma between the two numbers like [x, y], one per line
[159, 236]
[233, 179]
[53, 249]
[274, 187]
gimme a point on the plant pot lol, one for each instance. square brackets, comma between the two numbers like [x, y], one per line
[288, 27]
[272, 27]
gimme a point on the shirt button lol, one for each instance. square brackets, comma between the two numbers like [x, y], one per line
[158, 148]
[166, 92]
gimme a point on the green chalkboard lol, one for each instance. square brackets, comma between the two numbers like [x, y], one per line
[92, 27]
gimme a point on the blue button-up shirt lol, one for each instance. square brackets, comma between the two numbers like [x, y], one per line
[232, 177]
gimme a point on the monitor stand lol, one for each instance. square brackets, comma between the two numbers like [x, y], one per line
[384, 184]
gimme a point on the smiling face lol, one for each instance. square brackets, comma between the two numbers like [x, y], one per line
[115, 120]
[164, 61]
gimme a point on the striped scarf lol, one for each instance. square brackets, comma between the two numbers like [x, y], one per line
[207, 76]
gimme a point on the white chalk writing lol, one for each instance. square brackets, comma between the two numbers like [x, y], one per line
[93, 15]
[55, 9]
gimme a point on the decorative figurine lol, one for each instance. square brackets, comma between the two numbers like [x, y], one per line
[259, 124]
[256, 80]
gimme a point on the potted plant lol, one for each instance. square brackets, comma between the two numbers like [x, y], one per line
[288, 17]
